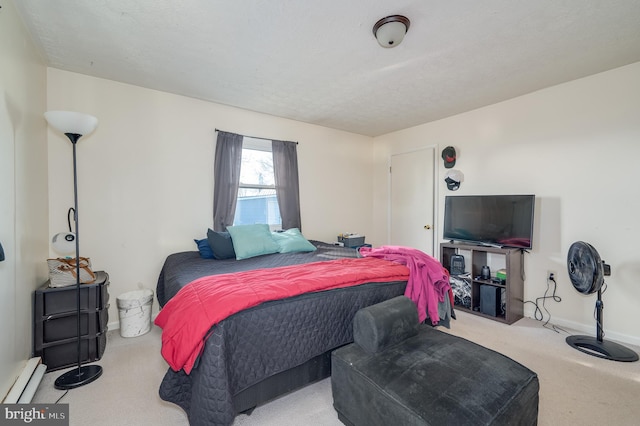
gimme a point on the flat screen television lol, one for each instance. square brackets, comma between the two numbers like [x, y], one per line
[493, 220]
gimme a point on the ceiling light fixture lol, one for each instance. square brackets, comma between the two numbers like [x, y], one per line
[390, 31]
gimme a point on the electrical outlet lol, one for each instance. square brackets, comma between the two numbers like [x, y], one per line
[551, 275]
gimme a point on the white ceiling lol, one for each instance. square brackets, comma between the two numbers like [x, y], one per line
[318, 62]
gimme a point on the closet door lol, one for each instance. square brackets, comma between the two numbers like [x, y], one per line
[412, 200]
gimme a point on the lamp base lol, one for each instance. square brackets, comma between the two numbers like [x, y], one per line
[78, 377]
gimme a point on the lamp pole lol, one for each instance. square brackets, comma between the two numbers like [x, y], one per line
[74, 125]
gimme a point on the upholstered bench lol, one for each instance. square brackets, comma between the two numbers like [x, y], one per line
[399, 372]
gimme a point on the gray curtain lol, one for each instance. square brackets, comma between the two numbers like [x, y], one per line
[226, 174]
[285, 165]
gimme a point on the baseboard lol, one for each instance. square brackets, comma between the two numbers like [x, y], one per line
[590, 330]
[576, 326]
[27, 383]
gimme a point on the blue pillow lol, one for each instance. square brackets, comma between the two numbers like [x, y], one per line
[221, 244]
[252, 240]
[204, 248]
[291, 241]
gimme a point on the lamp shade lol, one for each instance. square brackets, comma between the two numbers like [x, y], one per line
[64, 243]
[71, 122]
[390, 31]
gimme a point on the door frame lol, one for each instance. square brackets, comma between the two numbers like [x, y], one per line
[435, 194]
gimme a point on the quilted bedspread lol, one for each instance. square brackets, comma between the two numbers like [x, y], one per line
[187, 318]
[263, 341]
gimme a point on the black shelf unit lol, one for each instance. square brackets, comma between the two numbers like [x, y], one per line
[55, 323]
[510, 291]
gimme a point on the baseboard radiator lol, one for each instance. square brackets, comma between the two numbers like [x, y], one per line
[27, 383]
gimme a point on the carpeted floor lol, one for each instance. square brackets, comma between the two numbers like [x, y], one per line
[575, 388]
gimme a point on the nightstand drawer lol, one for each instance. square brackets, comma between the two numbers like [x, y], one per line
[61, 327]
[58, 300]
[65, 354]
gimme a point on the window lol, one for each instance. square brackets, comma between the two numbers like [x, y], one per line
[257, 201]
[269, 192]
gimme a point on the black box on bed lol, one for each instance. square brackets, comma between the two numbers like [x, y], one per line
[351, 242]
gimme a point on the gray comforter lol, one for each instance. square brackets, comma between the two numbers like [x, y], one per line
[258, 343]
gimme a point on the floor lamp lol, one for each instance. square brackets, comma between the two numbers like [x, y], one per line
[75, 125]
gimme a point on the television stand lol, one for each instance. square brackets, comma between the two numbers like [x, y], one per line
[491, 298]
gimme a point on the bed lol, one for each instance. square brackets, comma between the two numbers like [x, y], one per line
[267, 350]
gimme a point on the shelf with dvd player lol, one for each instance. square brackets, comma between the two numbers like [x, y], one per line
[490, 283]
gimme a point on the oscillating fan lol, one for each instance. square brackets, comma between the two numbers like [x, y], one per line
[587, 273]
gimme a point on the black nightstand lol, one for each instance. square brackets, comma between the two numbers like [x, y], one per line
[55, 325]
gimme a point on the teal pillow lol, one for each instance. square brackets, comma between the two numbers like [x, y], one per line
[252, 240]
[291, 241]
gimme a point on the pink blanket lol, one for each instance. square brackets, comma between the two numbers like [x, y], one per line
[187, 318]
[428, 280]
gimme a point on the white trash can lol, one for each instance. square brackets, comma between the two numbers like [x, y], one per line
[134, 310]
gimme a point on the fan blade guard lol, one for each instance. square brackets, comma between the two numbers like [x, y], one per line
[585, 267]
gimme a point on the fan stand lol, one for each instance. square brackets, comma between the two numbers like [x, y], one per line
[596, 346]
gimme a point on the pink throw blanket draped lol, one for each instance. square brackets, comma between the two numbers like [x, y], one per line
[428, 280]
[187, 318]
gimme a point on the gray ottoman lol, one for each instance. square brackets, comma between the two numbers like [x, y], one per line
[399, 372]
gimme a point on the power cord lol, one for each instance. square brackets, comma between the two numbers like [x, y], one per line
[63, 395]
[538, 314]
[522, 274]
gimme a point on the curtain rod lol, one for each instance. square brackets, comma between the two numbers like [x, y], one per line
[253, 137]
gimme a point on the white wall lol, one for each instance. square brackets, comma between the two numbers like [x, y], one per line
[146, 174]
[146, 178]
[23, 197]
[575, 146]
